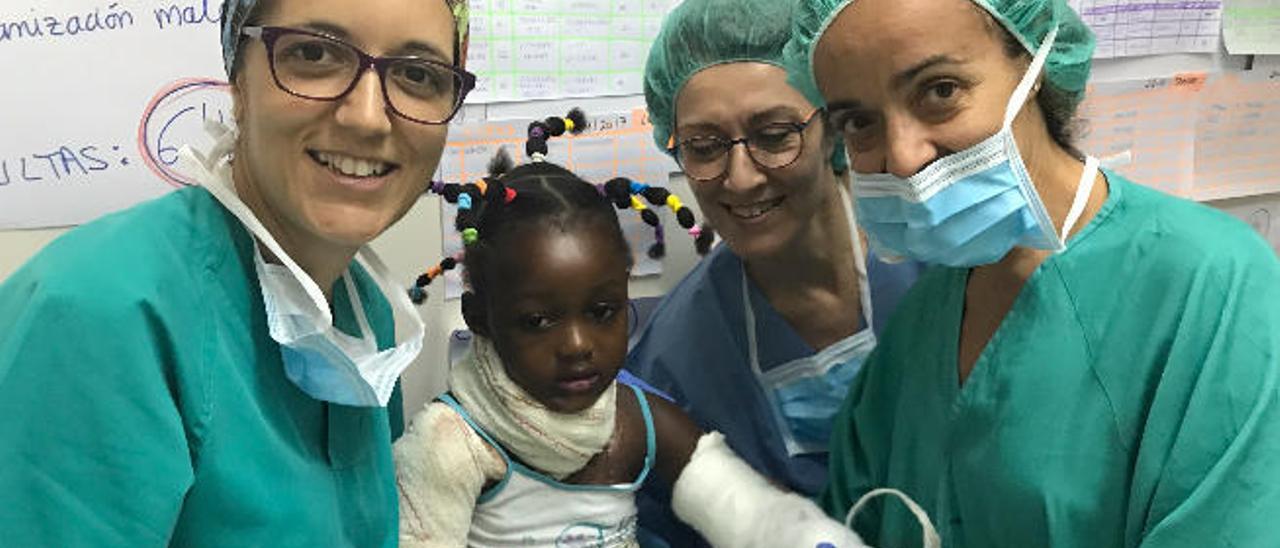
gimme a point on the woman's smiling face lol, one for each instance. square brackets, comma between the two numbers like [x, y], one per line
[338, 173]
[759, 211]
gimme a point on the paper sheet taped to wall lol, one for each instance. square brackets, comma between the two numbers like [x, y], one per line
[1251, 26]
[1147, 27]
[614, 145]
[1200, 136]
[545, 49]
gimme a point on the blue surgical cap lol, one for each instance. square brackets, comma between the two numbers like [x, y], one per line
[235, 14]
[1029, 21]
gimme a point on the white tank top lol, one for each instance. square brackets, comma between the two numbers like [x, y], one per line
[527, 508]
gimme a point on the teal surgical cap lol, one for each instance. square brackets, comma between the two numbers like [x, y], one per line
[1028, 20]
[235, 14]
[698, 34]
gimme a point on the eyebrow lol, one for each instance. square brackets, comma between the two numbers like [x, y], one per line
[698, 126]
[772, 115]
[758, 118]
[900, 79]
[411, 47]
[543, 298]
[838, 106]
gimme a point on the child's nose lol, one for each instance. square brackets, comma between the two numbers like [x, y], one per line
[576, 345]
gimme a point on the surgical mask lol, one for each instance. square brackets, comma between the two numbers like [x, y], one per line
[969, 208]
[804, 395]
[319, 359]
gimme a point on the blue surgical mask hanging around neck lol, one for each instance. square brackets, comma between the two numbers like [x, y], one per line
[805, 394]
[972, 207]
[318, 358]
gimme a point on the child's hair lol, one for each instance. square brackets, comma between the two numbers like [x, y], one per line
[514, 198]
[548, 196]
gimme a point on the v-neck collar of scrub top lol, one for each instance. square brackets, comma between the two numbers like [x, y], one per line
[237, 253]
[982, 376]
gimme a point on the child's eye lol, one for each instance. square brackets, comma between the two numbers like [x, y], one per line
[536, 322]
[603, 312]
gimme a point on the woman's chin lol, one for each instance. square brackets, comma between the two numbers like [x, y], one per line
[350, 227]
[752, 244]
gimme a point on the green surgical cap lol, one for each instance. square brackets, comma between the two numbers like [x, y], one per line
[1028, 20]
[698, 34]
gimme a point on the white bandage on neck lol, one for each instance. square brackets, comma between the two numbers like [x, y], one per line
[557, 444]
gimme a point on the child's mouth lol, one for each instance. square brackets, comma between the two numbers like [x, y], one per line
[579, 384]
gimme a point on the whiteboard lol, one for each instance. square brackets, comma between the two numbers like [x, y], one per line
[100, 95]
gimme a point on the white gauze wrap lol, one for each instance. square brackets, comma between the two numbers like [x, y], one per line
[732, 505]
[557, 444]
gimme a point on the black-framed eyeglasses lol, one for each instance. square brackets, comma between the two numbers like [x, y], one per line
[772, 146]
[313, 66]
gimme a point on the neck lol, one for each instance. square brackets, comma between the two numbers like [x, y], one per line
[323, 261]
[820, 256]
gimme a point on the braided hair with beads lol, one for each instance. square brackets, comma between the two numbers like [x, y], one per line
[540, 191]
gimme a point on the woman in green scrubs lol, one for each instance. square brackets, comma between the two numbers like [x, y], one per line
[214, 368]
[1089, 362]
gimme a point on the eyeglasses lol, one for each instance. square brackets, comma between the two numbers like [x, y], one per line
[774, 146]
[314, 66]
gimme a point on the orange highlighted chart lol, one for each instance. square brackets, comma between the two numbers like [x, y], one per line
[1199, 136]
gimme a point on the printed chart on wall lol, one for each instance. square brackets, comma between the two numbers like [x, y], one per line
[1147, 27]
[99, 98]
[614, 145]
[1251, 26]
[1200, 136]
[545, 49]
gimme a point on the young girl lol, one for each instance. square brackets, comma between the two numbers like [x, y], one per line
[535, 444]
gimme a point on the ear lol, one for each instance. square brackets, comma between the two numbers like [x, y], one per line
[475, 313]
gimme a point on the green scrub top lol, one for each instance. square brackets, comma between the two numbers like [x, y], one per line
[143, 402]
[1131, 397]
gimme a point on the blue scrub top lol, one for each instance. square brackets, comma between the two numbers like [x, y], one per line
[694, 348]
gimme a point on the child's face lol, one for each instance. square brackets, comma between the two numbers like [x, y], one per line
[557, 311]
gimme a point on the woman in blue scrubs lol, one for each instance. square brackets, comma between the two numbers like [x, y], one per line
[214, 368]
[761, 340]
